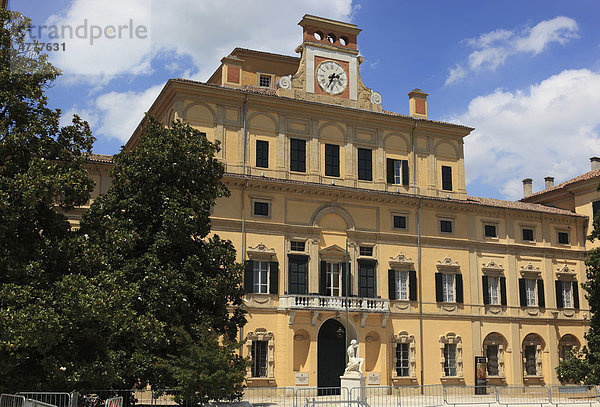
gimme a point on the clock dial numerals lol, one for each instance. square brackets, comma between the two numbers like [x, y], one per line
[332, 78]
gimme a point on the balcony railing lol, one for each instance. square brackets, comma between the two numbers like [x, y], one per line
[320, 302]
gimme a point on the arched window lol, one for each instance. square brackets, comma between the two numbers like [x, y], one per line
[493, 348]
[532, 349]
[567, 344]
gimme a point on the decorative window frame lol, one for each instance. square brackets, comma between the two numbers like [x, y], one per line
[401, 263]
[271, 81]
[405, 215]
[533, 340]
[261, 334]
[566, 273]
[451, 339]
[493, 269]
[566, 230]
[404, 337]
[496, 339]
[528, 226]
[568, 339]
[297, 239]
[490, 222]
[451, 219]
[530, 271]
[261, 252]
[362, 257]
[448, 266]
[266, 200]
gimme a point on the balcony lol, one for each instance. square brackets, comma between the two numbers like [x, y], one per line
[327, 303]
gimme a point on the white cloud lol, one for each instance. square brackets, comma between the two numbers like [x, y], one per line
[549, 129]
[121, 112]
[492, 49]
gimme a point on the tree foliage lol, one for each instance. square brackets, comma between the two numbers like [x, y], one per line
[584, 366]
[41, 165]
[151, 230]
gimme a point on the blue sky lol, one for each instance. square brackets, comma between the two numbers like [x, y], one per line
[525, 74]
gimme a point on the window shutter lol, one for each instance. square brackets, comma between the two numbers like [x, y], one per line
[249, 276]
[503, 291]
[486, 290]
[559, 297]
[346, 279]
[274, 277]
[541, 298]
[390, 171]
[412, 285]
[522, 293]
[459, 288]
[439, 293]
[392, 284]
[323, 279]
[575, 289]
[405, 177]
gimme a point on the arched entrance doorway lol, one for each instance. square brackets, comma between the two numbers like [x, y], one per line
[331, 353]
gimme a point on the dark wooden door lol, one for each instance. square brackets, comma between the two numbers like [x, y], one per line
[331, 354]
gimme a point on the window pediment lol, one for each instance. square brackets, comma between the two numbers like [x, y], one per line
[565, 272]
[261, 251]
[448, 265]
[333, 252]
[492, 268]
[529, 270]
[401, 262]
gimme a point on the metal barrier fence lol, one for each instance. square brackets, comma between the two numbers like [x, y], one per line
[523, 395]
[431, 395]
[373, 396]
[55, 399]
[468, 395]
[11, 400]
[573, 395]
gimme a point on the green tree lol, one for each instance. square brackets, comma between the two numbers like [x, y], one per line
[151, 231]
[41, 166]
[584, 366]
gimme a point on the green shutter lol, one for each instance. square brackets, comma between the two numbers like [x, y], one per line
[274, 277]
[486, 290]
[459, 288]
[249, 277]
[392, 284]
[405, 176]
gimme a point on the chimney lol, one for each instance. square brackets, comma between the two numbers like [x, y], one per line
[549, 182]
[595, 161]
[417, 104]
[527, 187]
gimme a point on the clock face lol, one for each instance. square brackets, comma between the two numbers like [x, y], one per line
[332, 78]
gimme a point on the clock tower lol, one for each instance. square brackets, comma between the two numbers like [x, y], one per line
[329, 67]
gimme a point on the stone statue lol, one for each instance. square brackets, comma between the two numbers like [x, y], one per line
[355, 362]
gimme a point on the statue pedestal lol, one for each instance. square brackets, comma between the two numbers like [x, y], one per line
[354, 380]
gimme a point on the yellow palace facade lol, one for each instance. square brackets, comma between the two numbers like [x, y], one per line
[354, 223]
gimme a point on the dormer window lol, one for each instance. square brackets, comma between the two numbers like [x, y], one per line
[265, 80]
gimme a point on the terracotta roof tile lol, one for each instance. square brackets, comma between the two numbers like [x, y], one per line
[102, 158]
[583, 177]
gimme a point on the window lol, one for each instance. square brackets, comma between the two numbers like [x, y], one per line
[448, 287]
[530, 360]
[366, 251]
[401, 284]
[490, 231]
[446, 178]
[494, 290]
[399, 222]
[365, 164]
[297, 155]
[450, 359]
[531, 292]
[397, 172]
[595, 208]
[261, 277]
[567, 294]
[261, 208]
[402, 359]
[259, 358]
[297, 246]
[332, 160]
[492, 360]
[446, 226]
[262, 153]
[264, 80]
[530, 286]
[566, 346]
[563, 237]
[298, 274]
[528, 235]
[366, 279]
[333, 279]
